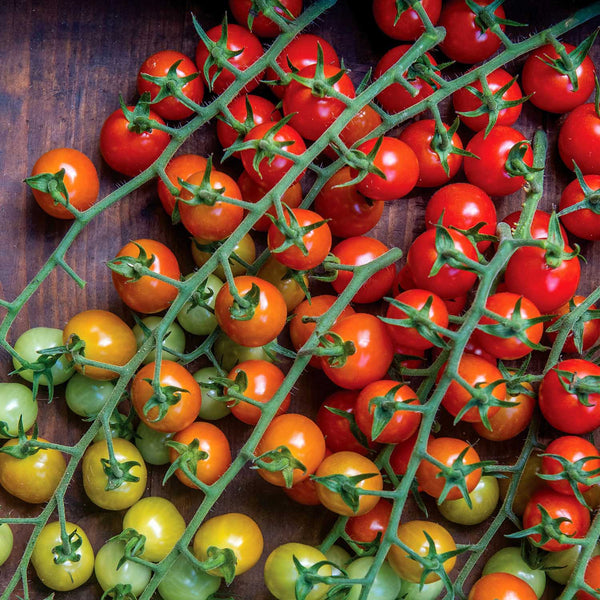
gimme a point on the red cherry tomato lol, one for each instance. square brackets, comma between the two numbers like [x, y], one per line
[584, 223]
[179, 167]
[591, 577]
[407, 25]
[402, 453]
[501, 586]
[358, 128]
[260, 24]
[590, 333]
[579, 139]
[539, 224]
[365, 528]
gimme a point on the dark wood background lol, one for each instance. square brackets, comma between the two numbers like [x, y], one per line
[62, 67]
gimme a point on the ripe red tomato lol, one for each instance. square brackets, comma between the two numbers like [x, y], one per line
[158, 65]
[464, 100]
[561, 407]
[421, 137]
[463, 206]
[179, 167]
[127, 151]
[488, 171]
[358, 128]
[590, 333]
[247, 50]
[577, 517]
[80, 180]
[579, 139]
[407, 25]
[501, 586]
[402, 453]
[268, 317]
[591, 577]
[584, 222]
[552, 90]
[449, 282]
[366, 527]
[260, 24]
[312, 111]
[373, 354]
[362, 250]
[464, 41]
[146, 294]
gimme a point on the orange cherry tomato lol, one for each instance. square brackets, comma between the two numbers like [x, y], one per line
[179, 167]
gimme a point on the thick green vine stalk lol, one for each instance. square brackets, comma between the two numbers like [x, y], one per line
[430, 392]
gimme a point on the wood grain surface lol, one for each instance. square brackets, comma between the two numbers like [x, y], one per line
[63, 65]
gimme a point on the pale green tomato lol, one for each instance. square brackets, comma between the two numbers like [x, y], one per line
[184, 581]
[6, 542]
[197, 319]
[386, 584]
[17, 402]
[484, 499]
[120, 427]
[85, 396]
[414, 591]
[109, 574]
[339, 557]
[509, 560]
[41, 338]
[174, 340]
[229, 354]
[211, 408]
[562, 563]
[152, 444]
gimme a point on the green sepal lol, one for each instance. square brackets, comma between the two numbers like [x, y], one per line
[578, 326]
[67, 550]
[485, 17]
[362, 163]
[514, 379]
[268, 9]
[308, 577]
[118, 473]
[134, 544]
[203, 193]
[138, 118]
[163, 397]
[345, 486]
[279, 460]
[26, 446]
[121, 591]
[482, 398]
[447, 253]
[548, 529]
[515, 164]
[441, 144]
[293, 232]
[169, 83]
[189, 457]
[555, 244]
[131, 267]
[591, 197]
[50, 183]
[244, 310]
[385, 407]
[222, 560]
[360, 437]
[582, 387]
[335, 349]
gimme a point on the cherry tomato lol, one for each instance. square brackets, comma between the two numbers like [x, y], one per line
[373, 354]
[244, 250]
[405, 24]
[552, 90]
[158, 65]
[539, 224]
[179, 167]
[579, 139]
[361, 250]
[501, 586]
[267, 318]
[366, 527]
[245, 48]
[488, 170]
[287, 281]
[229, 353]
[386, 583]
[80, 180]
[584, 223]
[260, 24]
[6, 542]
[592, 578]
[212, 408]
[17, 404]
[152, 444]
[358, 128]
[185, 580]
[402, 453]
[590, 332]
[198, 319]
[174, 338]
[484, 499]
[182, 402]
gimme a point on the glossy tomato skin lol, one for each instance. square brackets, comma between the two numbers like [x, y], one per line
[268, 319]
[17, 404]
[579, 139]
[488, 170]
[539, 224]
[364, 121]
[449, 282]
[591, 577]
[528, 273]
[373, 356]
[179, 167]
[366, 527]
[185, 580]
[551, 90]
[464, 41]
[361, 250]
[409, 26]
[262, 25]
[501, 586]
[107, 339]
[212, 441]
[126, 151]
[484, 499]
[465, 101]
[303, 439]
[463, 206]
[281, 277]
[402, 453]
[179, 415]
[245, 249]
[239, 40]
[584, 223]
[591, 328]
[80, 179]
[158, 65]
[557, 506]
[146, 294]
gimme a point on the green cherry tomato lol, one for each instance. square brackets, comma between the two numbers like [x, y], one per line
[152, 444]
[484, 499]
[211, 409]
[17, 402]
[339, 557]
[195, 318]
[185, 580]
[386, 584]
[559, 565]
[414, 591]
[174, 339]
[85, 396]
[229, 354]
[6, 542]
[510, 560]
[62, 575]
[109, 573]
[41, 338]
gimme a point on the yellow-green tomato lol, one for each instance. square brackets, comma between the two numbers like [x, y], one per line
[339, 557]
[101, 489]
[484, 499]
[416, 591]
[159, 520]
[194, 316]
[28, 346]
[85, 396]
[211, 409]
[109, 573]
[185, 581]
[559, 565]
[174, 338]
[59, 568]
[386, 583]
[236, 531]
[6, 542]
[281, 573]
[229, 354]
[510, 560]
[17, 402]
[152, 444]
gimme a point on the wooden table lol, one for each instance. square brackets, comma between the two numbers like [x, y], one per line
[63, 65]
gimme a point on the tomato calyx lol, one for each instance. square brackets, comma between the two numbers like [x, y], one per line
[232, 391]
[212, 247]
[514, 380]
[170, 84]
[241, 128]
[53, 184]
[319, 85]
[555, 245]
[385, 407]
[362, 163]
[486, 19]
[163, 397]
[360, 437]
[448, 254]
[578, 326]
[118, 473]
[121, 591]
[422, 68]
[202, 193]
[474, 236]
[26, 446]
[131, 267]
[139, 118]
[243, 307]
[272, 9]
[308, 577]
[189, 457]
[67, 550]
[482, 399]
[281, 460]
[515, 164]
[335, 349]
[292, 231]
[441, 143]
[582, 387]
[345, 486]
[590, 200]
[135, 544]
[221, 560]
